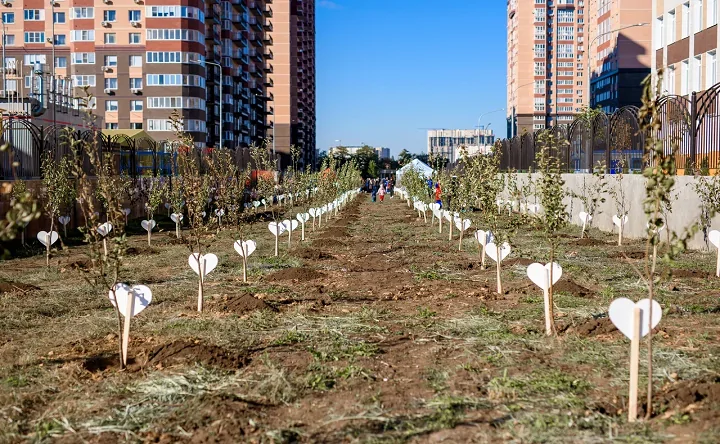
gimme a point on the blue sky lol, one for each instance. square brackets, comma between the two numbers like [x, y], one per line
[387, 68]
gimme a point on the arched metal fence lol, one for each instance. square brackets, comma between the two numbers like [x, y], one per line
[690, 127]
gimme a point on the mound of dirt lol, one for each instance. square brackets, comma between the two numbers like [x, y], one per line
[592, 327]
[628, 255]
[139, 251]
[12, 287]
[81, 265]
[684, 393]
[241, 304]
[107, 361]
[334, 233]
[313, 254]
[569, 286]
[522, 261]
[677, 273]
[294, 274]
[587, 242]
[329, 243]
[187, 352]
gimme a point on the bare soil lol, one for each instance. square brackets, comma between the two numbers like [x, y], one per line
[376, 329]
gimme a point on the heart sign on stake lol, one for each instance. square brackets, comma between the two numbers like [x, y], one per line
[208, 261]
[634, 320]
[129, 301]
[245, 248]
[104, 229]
[276, 228]
[539, 274]
[462, 224]
[585, 218]
[44, 237]
[303, 217]
[617, 221]
[148, 225]
[64, 220]
[126, 212]
[714, 238]
[176, 217]
[492, 251]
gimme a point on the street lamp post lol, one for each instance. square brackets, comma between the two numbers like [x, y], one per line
[222, 81]
[636, 25]
[53, 82]
[4, 65]
[480, 118]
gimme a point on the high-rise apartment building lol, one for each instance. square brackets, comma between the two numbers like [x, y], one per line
[545, 65]
[142, 59]
[685, 44]
[292, 79]
[619, 33]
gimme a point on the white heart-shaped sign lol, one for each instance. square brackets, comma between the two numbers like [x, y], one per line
[312, 212]
[256, 203]
[43, 237]
[621, 314]
[584, 217]
[203, 214]
[104, 229]
[655, 230]
[176, 217]
[141, 293]
[263, 201]
[714, 238]
[437, 213]
[303, 217]
[539, 274]
[616, 220]
[64, 220]
[126, 211]
[492, 251]
[148, 225]
[247, 246]
[484, 237]
[167, 205]
[290, 224]
[219, 212]
[447, 215]
[210, 261]
[276, 228]
[434, 206]
[462, 224]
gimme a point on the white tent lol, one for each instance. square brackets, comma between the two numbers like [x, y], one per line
[416, 165]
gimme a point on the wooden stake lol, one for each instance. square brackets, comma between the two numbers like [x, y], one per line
[482, 258]
[126, 330]
[582, 233]
[634, 366]
[277, 229]
[244, 247]
[149, 231]
[440, 223]
[499, 283]
[47, 249]
[548, 324]
[177, 229]
[451, 229]
[717, 266]
[200, 285]
[302, 233]
[105, 247]
[620, 232]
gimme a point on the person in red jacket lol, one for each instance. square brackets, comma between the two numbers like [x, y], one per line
[438, 194]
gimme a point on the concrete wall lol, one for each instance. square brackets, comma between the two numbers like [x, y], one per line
[686, 208]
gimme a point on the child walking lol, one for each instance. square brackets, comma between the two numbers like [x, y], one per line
[381, 193]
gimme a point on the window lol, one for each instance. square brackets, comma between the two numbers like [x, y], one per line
[109, 15]
[83, 13]
[110, 60]
[136, 82]
[670, 85]
[82, 35]
[671, 27]
[539, 87]
[111, 105]
[135, 60]
[59, 17]
[565, 51]
[134, 15]
[174, 57]
[179, 102]
[540, 50]
[540, 33]
[603, 6]
[712, 12]
[539, 68]
[60, 39]
[110, 38]
[175, 11]
[659, 33]
[711, 67]
[539, 14]
[111, 83]
[697, 74]
[80, 58]
[159, 125]
[539, 104]
[31, 59]
[685, 19]
[9, 40]
[34, 15]
[698, 19]
[685, 78]
[136, 125]
[175, 79]
[134, 38]
[565, 32]
[136, 105]
[61, 62]
[8, 17]
[83, 80]
[189, 35]
[566, 16]
[34, 37]
[111, 125]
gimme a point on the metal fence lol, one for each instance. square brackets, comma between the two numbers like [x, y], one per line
[134, 156]
[690, 127]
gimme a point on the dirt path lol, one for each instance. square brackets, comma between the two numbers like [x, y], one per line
[377, 329]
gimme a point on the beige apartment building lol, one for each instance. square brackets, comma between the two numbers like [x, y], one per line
[447, 143]
[685, 44]
[557, 49]
[292, 79]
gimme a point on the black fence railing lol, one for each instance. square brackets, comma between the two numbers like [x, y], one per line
[134, 156]
[690, 127]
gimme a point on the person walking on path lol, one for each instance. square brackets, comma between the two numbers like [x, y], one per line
[438, 194]
[381, 193]
[374, 191]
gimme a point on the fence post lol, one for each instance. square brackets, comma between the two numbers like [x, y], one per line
[693, 130]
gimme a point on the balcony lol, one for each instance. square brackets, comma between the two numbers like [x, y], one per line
[255, 23]
[268, 11]
[268, 40]
[268, 54]
[255, 8]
